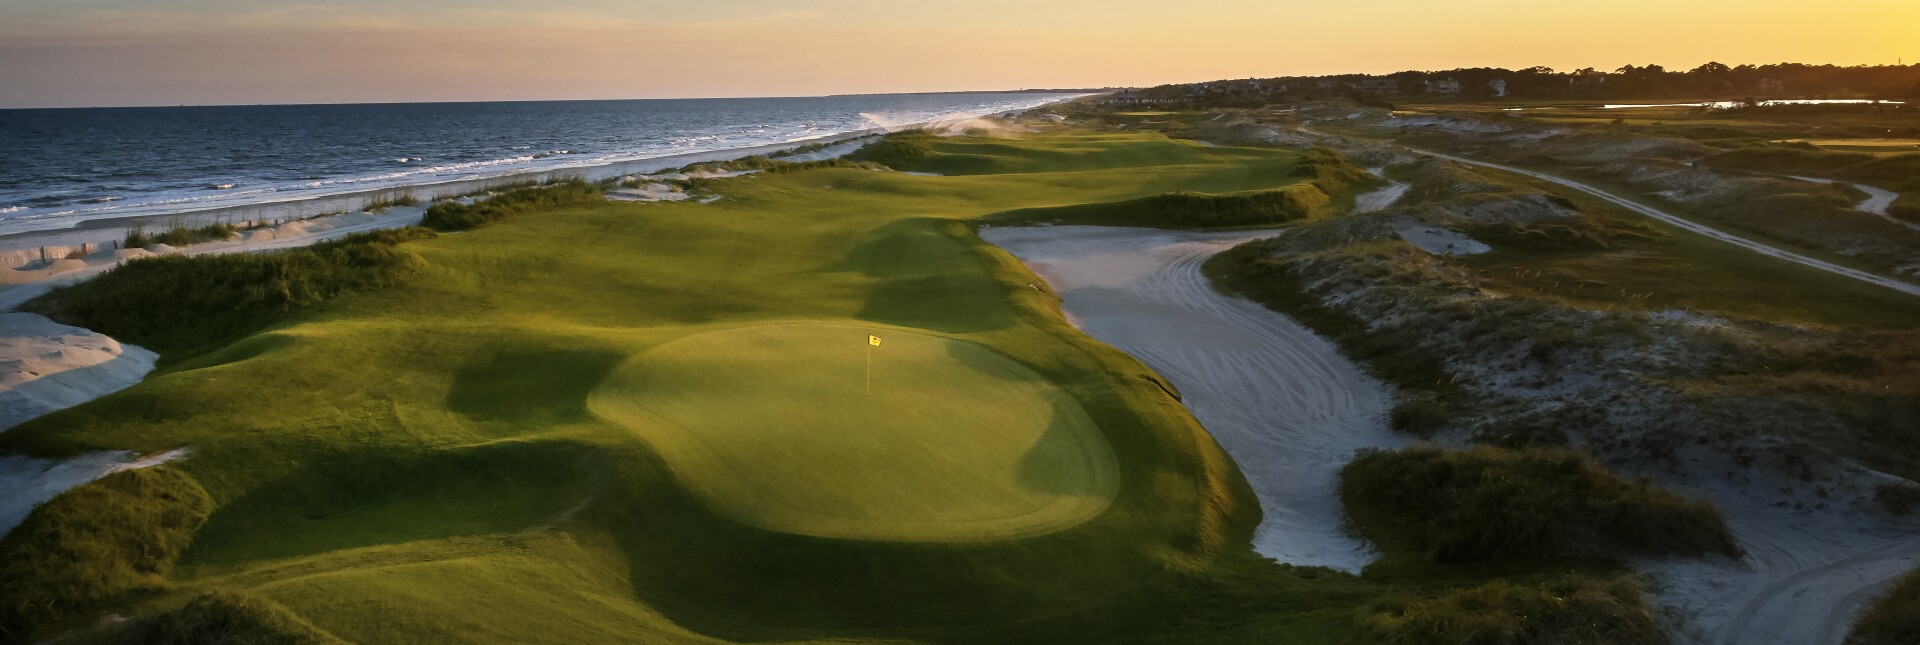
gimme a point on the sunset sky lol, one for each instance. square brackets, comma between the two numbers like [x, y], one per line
[141, 52]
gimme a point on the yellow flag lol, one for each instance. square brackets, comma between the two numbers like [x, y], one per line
[873, 340]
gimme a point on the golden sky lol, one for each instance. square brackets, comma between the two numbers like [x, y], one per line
[143, 52]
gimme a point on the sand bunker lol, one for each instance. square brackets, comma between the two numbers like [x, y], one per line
[1283, 402]
[47, 366]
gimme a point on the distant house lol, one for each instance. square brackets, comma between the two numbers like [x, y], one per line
[1772, 86]
[1379, 86]
[1499, 87]
[1448, 86]
[1125, 97]
[1326, 84]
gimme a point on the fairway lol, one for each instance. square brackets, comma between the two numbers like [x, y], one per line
[772, 426]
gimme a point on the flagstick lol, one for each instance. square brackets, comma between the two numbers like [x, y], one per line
[869, 370]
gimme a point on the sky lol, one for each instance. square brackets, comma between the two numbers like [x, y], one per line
[64, 53]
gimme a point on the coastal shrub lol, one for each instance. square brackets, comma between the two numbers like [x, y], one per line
[1573, 610]
[455, 216]
[1192, 210]
[1893, 619]
[1331, 171]
[95, 545]
[1898, 499]
[383, 202]
[178, 235]
[223, 618]
[1418, 415]
[183, 304]
[1483, 503]
[896, 149]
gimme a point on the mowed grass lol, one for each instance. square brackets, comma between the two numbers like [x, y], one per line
[421, 462]
[807, 428]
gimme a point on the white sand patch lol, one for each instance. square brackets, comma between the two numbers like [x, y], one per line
[708, 199]
[46, 366]
[1440, 241]
[921, 174]
[649, 192]
[720, 174]
[1380, 199]
[28, 482]
[1812, 564]
[1283, 402]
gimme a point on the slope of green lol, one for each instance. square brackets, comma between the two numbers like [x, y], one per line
[920, 438]
[424, 461]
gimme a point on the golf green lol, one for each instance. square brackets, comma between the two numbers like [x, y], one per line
[776, 426]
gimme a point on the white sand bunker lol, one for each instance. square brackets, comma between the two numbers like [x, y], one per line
[47, 366]
[1440, 241]
[26, 482]
[649, 192]
[1283, 402]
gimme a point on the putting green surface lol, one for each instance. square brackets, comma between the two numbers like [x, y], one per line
[772, 425]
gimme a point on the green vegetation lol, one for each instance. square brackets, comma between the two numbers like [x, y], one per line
[1487, 503]
[178, 235]
[908, 460]
[1192, 210]
[455, 216]
[1894, 618]
[96, 545]
[896, 149]
[1899, 173]
[1573, 610]
[178, 304]
[218, 618]
[446, 457]
[381, 203]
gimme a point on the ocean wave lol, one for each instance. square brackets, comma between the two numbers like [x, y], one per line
[11, 209]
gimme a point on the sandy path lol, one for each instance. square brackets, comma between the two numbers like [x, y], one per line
[1877, 201]
[1380, 199]
[1806, 576]
[1283, 402]
[1890, 283]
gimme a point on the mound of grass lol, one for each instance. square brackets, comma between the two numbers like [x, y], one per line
[1331, 171]
[1892, 619]
[185, 304]
[1573, 610]
[95, 545]
[896, 149]
[178, 235]
[381, 203]
[1483, 503]
[1193, 210]
[221, 618]
[455, 216]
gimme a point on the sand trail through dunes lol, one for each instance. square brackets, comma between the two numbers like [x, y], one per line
[1283, 402]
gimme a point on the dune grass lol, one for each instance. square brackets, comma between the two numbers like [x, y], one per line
[178, 235]
[455, 216]
[97, 545]
[1572, 610]
[1893, 618]
[179, 305]
[1488, 503]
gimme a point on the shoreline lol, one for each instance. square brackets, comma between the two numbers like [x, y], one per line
[90, 231]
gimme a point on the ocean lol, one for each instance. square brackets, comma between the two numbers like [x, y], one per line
[64, 167]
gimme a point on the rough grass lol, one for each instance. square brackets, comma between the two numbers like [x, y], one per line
[98, 544]
[179, 305]
[218, 618]
[1192, 210]
[1573, 610]
[896, 149]
[1892, 619]
[1486, 503]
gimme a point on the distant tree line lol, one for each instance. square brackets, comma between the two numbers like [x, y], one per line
[1711, 80]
